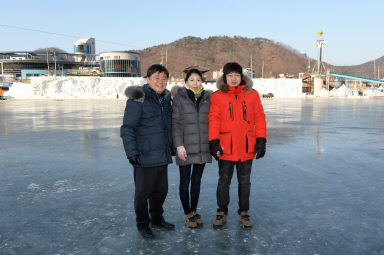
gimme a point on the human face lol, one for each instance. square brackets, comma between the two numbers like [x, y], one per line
[158, 81]
[233, 79]
[194, 81]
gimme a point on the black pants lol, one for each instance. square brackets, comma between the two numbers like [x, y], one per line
[185, 179]
[243, 170]
[151, 184]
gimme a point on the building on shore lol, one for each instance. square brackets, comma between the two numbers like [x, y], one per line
[20, 65]
[120, 64]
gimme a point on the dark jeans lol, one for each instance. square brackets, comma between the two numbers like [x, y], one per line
[243, 170]
[151, 184]
[185, 179]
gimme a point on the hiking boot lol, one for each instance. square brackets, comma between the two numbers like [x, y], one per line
[198, 219]
[145, 232]
[190, 221]
[219, 220]
[163, 225]
[245, 220]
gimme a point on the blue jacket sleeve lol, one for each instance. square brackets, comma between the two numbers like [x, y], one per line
[132, 116]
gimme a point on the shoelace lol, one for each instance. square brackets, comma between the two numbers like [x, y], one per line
[245, 217]
[219, 217]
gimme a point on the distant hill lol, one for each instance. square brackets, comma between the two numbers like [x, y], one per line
[212, 53]
[368, 69]
[50, 49]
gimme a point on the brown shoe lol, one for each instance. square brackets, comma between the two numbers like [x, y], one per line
[198, 218]
[190, 221]
[245, 220]
[219, 220]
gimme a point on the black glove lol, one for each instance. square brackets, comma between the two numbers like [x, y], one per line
[174, 151]
[260, 147]
[215, 148]
[134, 160]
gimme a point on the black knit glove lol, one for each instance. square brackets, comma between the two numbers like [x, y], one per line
[134, 160]
[215, 148]
[260, 147]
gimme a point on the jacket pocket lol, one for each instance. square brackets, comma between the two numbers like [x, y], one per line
[226, 142]
[250, 142]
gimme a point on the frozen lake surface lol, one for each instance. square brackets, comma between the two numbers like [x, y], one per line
[66, 186]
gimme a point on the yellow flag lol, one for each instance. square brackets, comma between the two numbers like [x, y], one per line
[320, 33]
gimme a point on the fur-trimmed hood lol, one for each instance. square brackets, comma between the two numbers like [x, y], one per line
[137, 93]
[176, 90]
[134, 92]
[222, 86]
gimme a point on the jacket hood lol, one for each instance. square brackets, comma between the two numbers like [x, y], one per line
[222, 86]
[134, 92]
[177, 89]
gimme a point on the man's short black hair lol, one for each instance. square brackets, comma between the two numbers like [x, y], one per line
[232, 67]
[157, 68]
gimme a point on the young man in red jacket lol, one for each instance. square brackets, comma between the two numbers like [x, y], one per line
[237, 133]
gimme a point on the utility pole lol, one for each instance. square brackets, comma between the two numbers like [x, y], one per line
[166, 57]
[46, 49]
[54, 55]
[251, 68]
[378, 72]
[262, 70]
[161, 63]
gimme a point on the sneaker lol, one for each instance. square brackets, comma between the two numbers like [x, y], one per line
[245, 220]
[190, 221]
[198, 218]
[219, 220]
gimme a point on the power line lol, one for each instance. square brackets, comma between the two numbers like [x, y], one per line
[65, 35]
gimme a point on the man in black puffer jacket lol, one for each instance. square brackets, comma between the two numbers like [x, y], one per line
[147, 139]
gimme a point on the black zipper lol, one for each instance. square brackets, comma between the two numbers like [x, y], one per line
[230, 111]
[244, 111]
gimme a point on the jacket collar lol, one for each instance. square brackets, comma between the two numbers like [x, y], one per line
[148, 90]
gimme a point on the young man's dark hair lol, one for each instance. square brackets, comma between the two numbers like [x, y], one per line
[157, 68]
[233, 67]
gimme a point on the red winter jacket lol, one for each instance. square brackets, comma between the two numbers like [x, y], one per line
[237, 118]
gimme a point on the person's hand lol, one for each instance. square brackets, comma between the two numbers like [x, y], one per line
[215, 148]
[260, 147]
[135, 160]
[182, 153]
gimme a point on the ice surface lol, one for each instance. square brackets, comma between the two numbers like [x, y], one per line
[67, 188]
[102, 87]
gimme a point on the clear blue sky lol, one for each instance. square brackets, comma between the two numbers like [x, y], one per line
[353, 29]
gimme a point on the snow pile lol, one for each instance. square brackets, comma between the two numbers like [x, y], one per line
[20, 90]
[342, 91]
[323, 93]
[113, 87]
[374, 92]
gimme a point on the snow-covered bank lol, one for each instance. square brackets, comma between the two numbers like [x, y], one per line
[104, 87]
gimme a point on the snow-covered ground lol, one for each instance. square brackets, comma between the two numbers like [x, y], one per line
[102, 87]
[67, 188]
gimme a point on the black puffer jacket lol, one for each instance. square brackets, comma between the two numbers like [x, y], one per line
[190, 126]
[147, 124]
